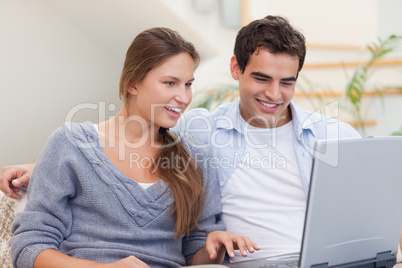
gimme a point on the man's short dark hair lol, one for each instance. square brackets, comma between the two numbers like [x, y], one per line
[273, 33]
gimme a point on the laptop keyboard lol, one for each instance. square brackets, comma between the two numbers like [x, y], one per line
[266, 264]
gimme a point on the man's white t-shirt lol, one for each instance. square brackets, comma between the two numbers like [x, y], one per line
[264, 198]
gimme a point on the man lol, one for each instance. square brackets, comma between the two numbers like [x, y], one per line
[262, 143]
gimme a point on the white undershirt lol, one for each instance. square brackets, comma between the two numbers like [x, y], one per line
[264, 198]
[144, 185]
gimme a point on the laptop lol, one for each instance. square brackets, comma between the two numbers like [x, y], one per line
[354, 208]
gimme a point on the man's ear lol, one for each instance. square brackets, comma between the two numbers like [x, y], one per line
[234, 68]
[132, 89]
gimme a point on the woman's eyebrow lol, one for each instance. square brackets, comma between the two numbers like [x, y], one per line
[174, 78]
[171, 77]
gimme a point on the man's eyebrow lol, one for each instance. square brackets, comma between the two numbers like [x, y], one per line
[270, 77]
[290, 79]
[261, 75]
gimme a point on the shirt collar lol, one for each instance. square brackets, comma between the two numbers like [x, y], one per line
[232, 118]
[302, 121]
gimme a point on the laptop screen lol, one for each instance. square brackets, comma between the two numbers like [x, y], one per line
[355, 200]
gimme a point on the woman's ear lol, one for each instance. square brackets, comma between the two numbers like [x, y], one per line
[132, 89]
[234, 68]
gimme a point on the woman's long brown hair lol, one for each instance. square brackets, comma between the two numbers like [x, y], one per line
[149, 50]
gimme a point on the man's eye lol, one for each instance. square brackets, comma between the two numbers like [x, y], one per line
[260, 79]
[286, 84]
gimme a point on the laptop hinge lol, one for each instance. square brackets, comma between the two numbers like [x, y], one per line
[383, 260]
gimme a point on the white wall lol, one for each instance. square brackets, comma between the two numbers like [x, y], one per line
[342, 22]
[47, 67]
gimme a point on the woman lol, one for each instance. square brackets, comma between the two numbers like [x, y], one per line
[127, 187]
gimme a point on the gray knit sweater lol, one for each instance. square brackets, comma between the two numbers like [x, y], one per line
[81, 204]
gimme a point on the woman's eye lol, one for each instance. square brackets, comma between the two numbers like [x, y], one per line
[188, 84]
[169, 83]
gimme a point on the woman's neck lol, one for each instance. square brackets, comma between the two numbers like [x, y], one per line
[130, 128]
[130, 146]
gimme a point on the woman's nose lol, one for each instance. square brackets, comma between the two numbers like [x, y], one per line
[184, 96]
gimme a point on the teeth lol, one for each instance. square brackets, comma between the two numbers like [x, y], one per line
[267, 104]
[177, 110]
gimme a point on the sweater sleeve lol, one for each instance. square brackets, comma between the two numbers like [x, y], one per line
[47, 218]
[210, 219]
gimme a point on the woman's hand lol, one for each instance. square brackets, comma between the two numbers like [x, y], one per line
[14, 177]
[220, 242]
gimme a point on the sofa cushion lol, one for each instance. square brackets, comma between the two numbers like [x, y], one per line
[7, 213]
